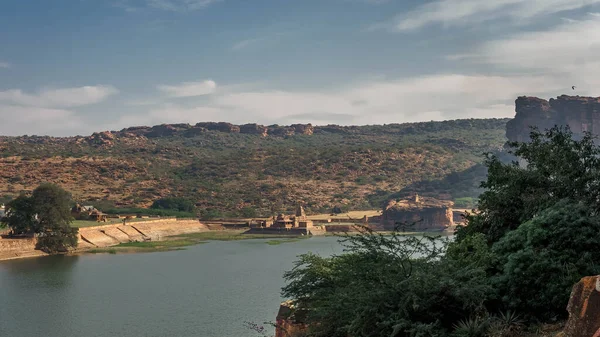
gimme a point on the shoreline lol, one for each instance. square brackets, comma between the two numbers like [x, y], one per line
[157, 236]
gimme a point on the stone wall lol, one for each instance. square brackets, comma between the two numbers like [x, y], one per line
[18, 248]
[579, 113]
[154, 230]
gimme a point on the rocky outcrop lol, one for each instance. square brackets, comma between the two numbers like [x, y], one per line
[289, 321]
[581, 114]
[303, 129]
[254, 129]
[105, 138]
[425, 213]
[220, 126]
[584, 309]
[165, 130]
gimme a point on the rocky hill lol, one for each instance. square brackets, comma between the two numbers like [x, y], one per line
[252, 169]
[580, 113]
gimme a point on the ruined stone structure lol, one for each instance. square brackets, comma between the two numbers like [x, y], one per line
[426, 214]
[299, 220]
[289, 321]
[581, 114]
[298, 224]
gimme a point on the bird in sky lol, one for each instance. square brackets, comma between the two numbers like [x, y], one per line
[573, 87]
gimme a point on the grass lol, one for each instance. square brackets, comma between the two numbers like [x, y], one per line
[278, 242]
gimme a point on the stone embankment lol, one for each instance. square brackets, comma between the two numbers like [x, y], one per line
[18, 248]
[112, 235]
[106, 236]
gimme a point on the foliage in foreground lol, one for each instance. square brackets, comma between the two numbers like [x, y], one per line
[537, 232]
[386, 286]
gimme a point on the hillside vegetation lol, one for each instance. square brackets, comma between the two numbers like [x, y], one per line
[230, 173]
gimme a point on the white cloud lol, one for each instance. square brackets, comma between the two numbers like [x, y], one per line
[18, 120]
[4, 65]
[436, 97]
[58, 98]
[245, 43]
[461, 12]
[566, 53]
[169, 113]
[189, 89]
[133, 6]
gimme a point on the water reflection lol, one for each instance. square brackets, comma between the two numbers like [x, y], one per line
[49, 271]
[36, 288]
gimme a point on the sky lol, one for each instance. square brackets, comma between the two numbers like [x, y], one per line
[73, 67]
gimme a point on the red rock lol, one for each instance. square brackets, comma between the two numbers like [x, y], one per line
[579, 113]
[288, 324]
[584, 309]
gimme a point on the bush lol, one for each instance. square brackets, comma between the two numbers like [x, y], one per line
[541, 260]
[174, 204]
[386, 286]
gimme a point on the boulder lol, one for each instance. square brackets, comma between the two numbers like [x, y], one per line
[584, 309]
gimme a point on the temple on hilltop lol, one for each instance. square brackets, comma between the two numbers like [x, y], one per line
[418, 214]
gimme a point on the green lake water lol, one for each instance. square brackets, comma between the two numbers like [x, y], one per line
[204, 290]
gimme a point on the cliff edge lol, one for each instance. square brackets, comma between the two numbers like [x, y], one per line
[581, 114]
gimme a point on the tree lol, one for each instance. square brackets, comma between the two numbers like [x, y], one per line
[541, 260]
[541, 221]
[558, 167]
[20, 216]
[175, 204]
[52, 206]
[46, 213]
[386, 286]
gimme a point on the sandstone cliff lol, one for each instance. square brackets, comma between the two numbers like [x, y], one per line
[579, 113]
[425, 213]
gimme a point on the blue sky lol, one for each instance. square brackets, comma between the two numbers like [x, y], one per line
[72, 67]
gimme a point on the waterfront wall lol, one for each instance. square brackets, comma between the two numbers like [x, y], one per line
[154, 230]
[106, 236]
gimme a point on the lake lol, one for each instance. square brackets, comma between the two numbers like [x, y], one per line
[204, 290]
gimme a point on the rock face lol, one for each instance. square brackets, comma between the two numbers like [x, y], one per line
[426, 213]
[254, 129]
[584, 309]
[579, 113]
[289, 322]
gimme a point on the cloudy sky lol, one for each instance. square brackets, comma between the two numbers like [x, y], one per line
[72, 67]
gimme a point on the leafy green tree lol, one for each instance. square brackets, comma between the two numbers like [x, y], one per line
[20, 216]
[541, 260]
[52, 206]
[176, 204]
[558, 167]
[386, 286]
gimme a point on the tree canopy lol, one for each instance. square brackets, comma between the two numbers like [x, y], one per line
[47, 213]
[175, 204]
